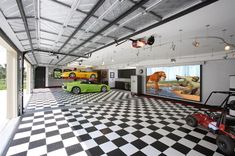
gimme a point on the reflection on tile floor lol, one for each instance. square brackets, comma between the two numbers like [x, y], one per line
[140, 126]
[56, 97]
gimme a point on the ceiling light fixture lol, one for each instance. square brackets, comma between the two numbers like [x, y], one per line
[173, 46]
[196, 43]
[173, 60]
[225, 57]
[227, 47]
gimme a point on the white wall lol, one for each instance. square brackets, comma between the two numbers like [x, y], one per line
[215, 77]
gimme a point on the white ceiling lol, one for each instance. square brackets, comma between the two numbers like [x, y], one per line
[219, 15]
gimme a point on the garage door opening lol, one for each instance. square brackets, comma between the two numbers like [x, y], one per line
[3, 87]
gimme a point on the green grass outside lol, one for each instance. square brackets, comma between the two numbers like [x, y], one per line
[3, 85]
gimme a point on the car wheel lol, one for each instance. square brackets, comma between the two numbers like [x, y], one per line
[191, 121]
[104, 89]
[92, 76]
[72, 75]
[225, 144]
[76, 90]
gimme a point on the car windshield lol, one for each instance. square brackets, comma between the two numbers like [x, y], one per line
[85, 82]
[94, 82]
[67, 70]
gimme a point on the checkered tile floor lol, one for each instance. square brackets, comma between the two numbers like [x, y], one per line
[139, 126]
[56, 97]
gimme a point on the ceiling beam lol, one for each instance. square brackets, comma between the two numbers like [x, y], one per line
[70, 13]
[26, 39]
[52, 52]
[53, 21]
[158, 17]
[23, 31]
[173, 17]
[22, 13]
[94, 9]
[37, 20]
[128, 12]
[18, 18]
[94, 16]
[45, 31]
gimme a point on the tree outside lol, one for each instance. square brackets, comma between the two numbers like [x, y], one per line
[3, 85]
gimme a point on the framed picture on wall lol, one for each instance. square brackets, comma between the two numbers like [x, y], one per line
[183, 82]
[112, 74]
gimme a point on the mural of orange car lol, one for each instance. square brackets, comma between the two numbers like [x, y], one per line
[79, 74]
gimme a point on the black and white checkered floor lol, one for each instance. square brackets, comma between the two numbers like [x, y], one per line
[132, 126]
[55, 97]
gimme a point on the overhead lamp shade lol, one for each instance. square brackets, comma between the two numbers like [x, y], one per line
[138, 43]
[151, 40]
[196, 43]
[173, 60]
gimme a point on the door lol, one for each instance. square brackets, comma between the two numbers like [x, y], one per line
[40, 74]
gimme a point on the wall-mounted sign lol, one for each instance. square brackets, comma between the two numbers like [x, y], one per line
[112, 74]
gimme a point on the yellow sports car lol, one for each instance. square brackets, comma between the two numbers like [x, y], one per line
[79, 74]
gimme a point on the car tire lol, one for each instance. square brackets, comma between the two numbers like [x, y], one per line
[191, 121]
[72, 75]
[92, 76]
[76, 90]
[225, 144]
[104, 89]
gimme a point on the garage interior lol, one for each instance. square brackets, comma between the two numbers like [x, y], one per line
[144, 65]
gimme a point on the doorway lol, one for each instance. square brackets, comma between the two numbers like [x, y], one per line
[3, 86]
[40, 74]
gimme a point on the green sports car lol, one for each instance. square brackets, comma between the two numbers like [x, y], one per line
[77, 87]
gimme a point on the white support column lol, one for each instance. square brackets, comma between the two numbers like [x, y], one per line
[11, 78]
[47, 76]
[28, 77]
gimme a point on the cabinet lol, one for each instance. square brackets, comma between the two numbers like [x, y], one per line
[136, 84]
[122, 85]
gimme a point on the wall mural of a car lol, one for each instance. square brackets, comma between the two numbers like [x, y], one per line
[78, 87]
[77, 74]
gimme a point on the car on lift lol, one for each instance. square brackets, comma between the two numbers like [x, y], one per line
[78, 74]
[84, 86]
